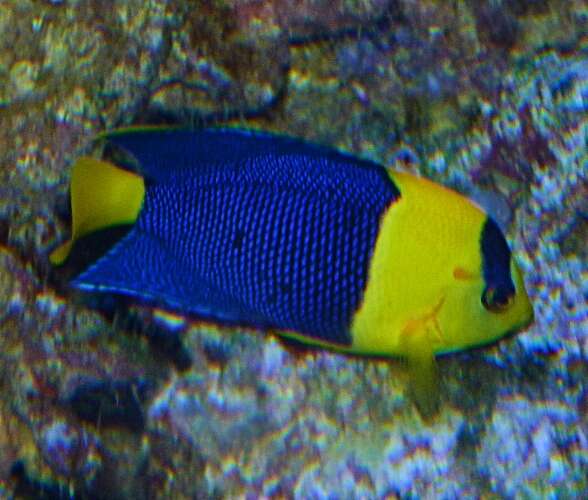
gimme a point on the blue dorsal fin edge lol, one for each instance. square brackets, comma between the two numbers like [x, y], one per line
[164, 152]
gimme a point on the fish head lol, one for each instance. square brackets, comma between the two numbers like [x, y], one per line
[482, 307]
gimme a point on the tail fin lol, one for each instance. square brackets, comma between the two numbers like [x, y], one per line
[102, 195]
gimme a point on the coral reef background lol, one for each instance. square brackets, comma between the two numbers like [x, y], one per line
[488, 97]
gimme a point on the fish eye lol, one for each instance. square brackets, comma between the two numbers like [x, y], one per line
[497, 300]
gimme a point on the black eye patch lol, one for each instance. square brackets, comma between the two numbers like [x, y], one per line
[495, 267]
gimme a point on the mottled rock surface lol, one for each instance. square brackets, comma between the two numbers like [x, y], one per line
[489, 97]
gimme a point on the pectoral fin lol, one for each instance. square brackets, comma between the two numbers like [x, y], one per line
[424, 382]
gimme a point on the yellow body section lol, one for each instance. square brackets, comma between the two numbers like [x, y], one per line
[426, 277]
[423, 238]
[425, 280]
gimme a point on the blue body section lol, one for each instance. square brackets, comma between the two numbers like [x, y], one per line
[250, 229]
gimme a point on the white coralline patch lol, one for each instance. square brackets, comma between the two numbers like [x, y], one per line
[399, 458]
[531, 448]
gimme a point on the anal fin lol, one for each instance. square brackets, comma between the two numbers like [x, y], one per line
[141, 266]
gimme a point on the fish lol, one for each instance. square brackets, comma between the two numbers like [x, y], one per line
[242, 227]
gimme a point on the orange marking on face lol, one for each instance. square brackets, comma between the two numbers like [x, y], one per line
[459, 273]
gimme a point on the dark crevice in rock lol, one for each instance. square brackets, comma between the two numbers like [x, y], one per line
[110, 403]
[192, 117]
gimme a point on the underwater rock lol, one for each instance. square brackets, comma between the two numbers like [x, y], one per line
[69, 451]
[212, 71]
[106, 403]
[488, 96]
[307, 21]
[26, 487]
[531, 447]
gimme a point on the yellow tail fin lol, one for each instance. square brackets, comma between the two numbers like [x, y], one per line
[102, 195]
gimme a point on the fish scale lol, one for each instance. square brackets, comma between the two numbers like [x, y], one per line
[294, 257]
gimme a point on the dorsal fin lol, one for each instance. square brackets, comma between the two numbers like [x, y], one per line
[201, 158]
[162, 152]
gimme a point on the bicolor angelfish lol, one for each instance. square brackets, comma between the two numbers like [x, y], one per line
[310, 243]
